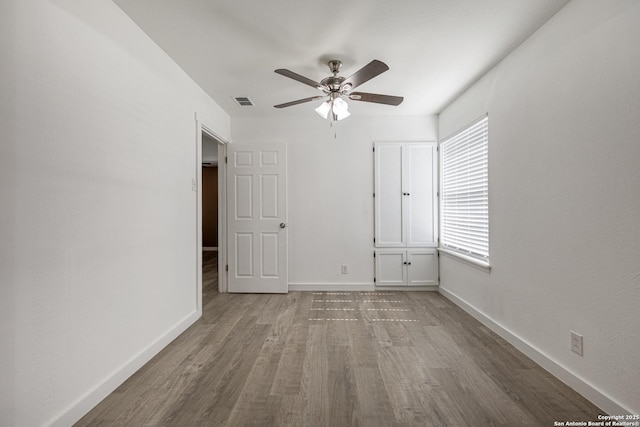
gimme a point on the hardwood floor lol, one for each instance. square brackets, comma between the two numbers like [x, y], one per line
[337, 359]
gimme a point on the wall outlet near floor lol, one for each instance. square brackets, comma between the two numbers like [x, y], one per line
[344, 269]
[576, 343]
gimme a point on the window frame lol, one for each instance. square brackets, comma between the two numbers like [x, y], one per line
[459, 251]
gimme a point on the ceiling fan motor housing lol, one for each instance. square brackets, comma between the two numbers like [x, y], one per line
[333, 83]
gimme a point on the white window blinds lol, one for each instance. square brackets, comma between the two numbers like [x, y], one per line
[465, 191]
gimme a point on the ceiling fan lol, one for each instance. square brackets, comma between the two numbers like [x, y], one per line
[335, 88]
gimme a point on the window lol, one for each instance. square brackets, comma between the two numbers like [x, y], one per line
[465, 192]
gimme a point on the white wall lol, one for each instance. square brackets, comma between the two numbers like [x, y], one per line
[330, 189]
[98, 209]
[209, 150]
[7, 214]
[564, 176]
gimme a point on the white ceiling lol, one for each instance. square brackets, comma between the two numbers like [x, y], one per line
[434, 48]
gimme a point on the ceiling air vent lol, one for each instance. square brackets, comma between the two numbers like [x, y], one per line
[243, 101]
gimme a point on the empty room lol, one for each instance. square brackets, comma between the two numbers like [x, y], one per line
[339, 213]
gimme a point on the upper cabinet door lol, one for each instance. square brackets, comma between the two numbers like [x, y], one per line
[389, 199]
[420, 203]
[405, 194]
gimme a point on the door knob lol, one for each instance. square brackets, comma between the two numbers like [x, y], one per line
[283, 225]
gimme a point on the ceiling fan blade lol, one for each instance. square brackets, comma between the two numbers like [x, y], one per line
[374, 97]
[301, 79]
[299, 101]
[366, 73]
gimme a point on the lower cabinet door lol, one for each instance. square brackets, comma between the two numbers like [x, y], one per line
[406, 267]
[390, 267]
[422, 267]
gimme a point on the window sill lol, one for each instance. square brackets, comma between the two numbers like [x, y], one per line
[480, 265]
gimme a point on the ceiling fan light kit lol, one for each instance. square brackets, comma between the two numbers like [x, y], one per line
[337, 106]
[336, 88]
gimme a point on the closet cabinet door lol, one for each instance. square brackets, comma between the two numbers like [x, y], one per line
[422, 267]
[389, 199]
[420, 189]
[405, 194]
[391, 267]
[407, 267]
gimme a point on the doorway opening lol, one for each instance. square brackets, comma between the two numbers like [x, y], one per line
[210, 213]
[210, 187]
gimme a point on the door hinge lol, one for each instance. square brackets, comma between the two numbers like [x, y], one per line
[226, 268]
[226, 159]
[374, 149]
[374, 280]
[374, 240]
[374, 254]
[374, 194]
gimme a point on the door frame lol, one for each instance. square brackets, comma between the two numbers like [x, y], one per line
[201, 129]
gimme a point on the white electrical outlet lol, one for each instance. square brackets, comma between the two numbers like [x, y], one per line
[576, 343]
[344, 269]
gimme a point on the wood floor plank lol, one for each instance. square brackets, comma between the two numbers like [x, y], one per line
[373, 407]
[288, 376]
[314, 384]
[337, 359]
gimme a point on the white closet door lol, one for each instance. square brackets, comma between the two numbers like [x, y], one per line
[405, 195]
[389, 221]
[420, 189]
[407, 267]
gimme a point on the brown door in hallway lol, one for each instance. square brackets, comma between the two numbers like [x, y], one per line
[210, 207]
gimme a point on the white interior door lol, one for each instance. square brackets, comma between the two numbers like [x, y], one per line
[257, 218]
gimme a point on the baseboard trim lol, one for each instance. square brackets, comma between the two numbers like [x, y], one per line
[346, 287]
[94, 396]
[564, 374]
